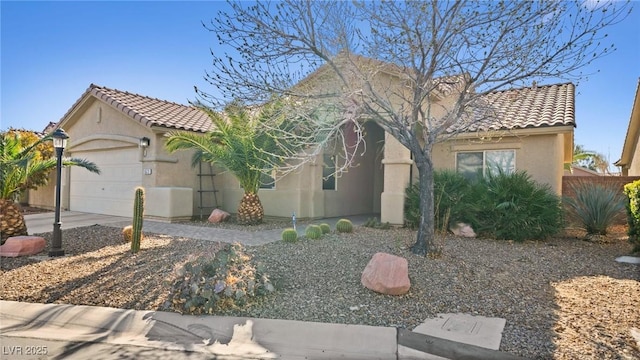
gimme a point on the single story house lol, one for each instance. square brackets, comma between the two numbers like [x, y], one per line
[629, 162]
[124, 134]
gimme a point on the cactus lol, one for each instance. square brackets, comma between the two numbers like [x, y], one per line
[127, 232]
[290, 235]
[344, 226]
[326, 228]
[313, 232]
[138, 209]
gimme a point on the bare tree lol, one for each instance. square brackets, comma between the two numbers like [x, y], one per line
[394, 62]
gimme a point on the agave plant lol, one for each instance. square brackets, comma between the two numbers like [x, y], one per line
[595, 206]
[22, 167]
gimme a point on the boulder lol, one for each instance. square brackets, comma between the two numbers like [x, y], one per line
[218, 216]
[22, 245]
[386, 274]
[463, 230]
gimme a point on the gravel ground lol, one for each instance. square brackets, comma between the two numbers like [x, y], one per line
[563, 298]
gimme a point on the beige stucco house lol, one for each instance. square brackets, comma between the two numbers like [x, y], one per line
[124, 134]
[629, 162]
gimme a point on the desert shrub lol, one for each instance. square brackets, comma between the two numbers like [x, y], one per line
[326, 228]
[290, 235]
[595, 206]
[313, 232]
[216, 282]
[344, 226]
[514, 207]
[412, 206]
[632, 190]
[374, 223]
[450, 191]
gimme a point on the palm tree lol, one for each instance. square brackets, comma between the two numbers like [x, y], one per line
[23, 167]
[589, 159]
[245, 143]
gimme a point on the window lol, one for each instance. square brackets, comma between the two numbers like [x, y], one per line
[329, 172]
[268, 181]
[479, 163]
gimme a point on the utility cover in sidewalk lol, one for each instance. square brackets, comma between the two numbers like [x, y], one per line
[474, 330]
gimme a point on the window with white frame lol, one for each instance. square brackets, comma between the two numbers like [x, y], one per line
[329, 172]
[479, 163]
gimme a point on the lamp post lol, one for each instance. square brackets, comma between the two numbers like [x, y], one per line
[59, 142]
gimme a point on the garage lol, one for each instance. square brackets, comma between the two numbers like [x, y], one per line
[112, 191]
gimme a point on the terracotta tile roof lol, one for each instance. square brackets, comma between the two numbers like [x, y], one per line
[532, 107]
[151, 111]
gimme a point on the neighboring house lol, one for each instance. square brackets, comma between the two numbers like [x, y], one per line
[533, 132]
[581, 171]
[629, 162]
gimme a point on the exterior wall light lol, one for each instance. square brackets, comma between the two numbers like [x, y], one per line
[145, 142]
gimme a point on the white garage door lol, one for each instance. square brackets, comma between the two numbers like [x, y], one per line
[112, 191]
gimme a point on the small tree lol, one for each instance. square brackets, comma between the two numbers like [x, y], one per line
[394, 62]
[25, 163]
[248, 144]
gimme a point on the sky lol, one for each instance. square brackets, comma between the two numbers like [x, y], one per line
[52, 51]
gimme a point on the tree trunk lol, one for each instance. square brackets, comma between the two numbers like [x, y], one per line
[11, 220]
[425, 242]
[250, 211]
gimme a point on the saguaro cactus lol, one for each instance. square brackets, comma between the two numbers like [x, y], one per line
[138, 210]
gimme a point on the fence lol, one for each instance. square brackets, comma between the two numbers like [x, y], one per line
[615, 181]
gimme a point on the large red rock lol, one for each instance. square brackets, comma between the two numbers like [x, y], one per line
[218, 216]
[387, 274]
[22, 245]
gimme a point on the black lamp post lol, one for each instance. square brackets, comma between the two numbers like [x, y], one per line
[59, 142]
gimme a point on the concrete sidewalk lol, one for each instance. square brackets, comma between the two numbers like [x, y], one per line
[87, 332]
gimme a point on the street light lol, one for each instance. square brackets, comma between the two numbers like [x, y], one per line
[59, 142]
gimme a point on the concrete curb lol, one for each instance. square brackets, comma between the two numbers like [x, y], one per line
[221, 337]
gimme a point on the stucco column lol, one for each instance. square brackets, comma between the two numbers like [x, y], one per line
[397, 170]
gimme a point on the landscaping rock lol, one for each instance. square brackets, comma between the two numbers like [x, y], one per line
[464, 230]
[22, 245]
[386, 274]
[218, 216]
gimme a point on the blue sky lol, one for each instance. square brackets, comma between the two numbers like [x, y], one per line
[52, 51]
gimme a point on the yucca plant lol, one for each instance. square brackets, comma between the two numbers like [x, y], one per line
[246, 144]
[595, 206]
[25, 163]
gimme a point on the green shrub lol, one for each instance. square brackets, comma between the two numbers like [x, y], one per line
[313, 232]
[326, 228]
[595, 206]
[450, 192]
[374, 223]
[344, 226]
[216, 282]
[514, 207]
[632, 190]
[412, 207]
[290, 235]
